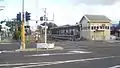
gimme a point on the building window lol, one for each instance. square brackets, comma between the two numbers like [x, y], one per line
[97, 27]
[100, 27]
[94, 27]
[106, 27]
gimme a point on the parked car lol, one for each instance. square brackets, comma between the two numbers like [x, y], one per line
[117, 38]
[112, 37]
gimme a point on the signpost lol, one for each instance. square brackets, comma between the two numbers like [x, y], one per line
[45, 44]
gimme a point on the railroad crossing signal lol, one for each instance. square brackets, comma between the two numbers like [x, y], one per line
[0, 27]
[41, 18]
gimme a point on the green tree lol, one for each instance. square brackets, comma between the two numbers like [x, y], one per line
[14, 25]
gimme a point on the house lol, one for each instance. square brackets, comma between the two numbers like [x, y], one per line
[115, 30]
[95, 27]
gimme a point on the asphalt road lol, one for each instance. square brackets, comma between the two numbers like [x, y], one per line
[83, 54]
[9, 46]
[14, 46]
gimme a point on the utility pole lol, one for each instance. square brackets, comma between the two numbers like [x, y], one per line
[37, 35]
[22, 28]
[53, 19]
[37, 11]
[45, 20]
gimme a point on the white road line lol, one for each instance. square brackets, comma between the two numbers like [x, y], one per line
[80, 51]
[68, 61]
[24, 64]
[67, 53]
[5, 51]
[6, 43]
[16, 64]
[71, 52]
[50, 54]
[74, 49]
[117, 66]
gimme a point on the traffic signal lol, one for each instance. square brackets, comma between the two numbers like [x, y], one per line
[27, 16]
[27, 30]
[41, 18]
[19, 17]
[0, 27]
[27, 26]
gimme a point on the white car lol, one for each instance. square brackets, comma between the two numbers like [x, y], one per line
[112, 37]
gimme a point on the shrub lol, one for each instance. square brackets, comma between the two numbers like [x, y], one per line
[17, 35]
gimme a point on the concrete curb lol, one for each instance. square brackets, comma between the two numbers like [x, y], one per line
[113, 41]
[39, 49]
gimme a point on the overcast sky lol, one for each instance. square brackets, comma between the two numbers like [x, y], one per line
[65, 11]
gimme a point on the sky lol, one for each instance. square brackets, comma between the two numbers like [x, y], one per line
[65, 11]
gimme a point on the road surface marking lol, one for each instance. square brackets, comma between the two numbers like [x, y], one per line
[79, 51]
[41, 55]
[67, 61]
[55, 62]
[16, 64]
[24, 64]
[69, 52]
[5, 51]
[6, 43]
[50, 54]
[9, 43]
[74, 49]
[117, 66]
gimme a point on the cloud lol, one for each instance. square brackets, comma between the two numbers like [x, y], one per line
[68, 12]
[95, 2]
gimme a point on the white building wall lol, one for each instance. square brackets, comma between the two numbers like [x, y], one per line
[106, 31]
[85, 32]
